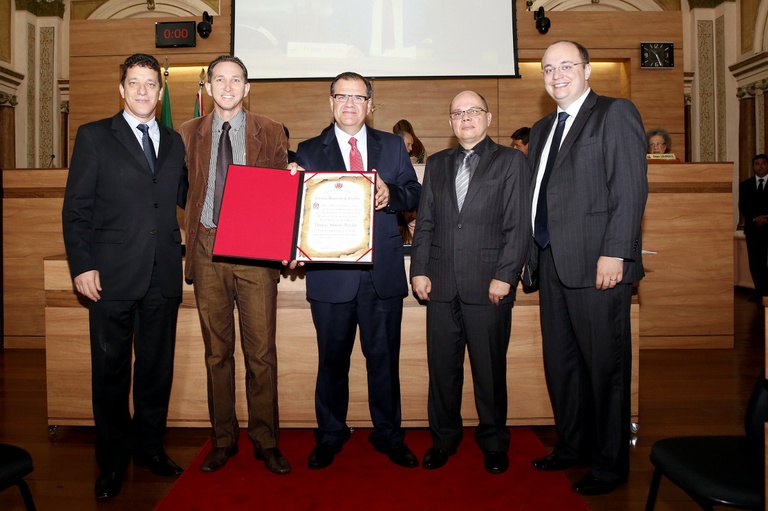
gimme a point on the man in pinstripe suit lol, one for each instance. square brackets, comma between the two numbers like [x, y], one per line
[587, 206]
[468, 249]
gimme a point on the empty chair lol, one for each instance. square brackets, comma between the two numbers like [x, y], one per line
[15, 463]
[718, 470]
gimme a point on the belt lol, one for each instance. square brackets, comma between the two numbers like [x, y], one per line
[206, 230]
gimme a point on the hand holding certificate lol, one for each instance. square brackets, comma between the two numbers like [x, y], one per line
[309, 216]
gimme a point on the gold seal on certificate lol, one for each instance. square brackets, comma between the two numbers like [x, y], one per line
[335, 222]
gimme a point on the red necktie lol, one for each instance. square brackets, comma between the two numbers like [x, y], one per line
[355, 158]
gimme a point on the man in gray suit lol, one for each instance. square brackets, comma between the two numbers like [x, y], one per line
[588, 202]
[470, 243]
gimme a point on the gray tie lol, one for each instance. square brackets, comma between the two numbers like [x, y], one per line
[147, 146]
[462, 178]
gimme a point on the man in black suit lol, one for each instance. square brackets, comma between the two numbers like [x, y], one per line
[343, 298]
[588, 200]
[470, 243]
[124, 249]
[753, 205]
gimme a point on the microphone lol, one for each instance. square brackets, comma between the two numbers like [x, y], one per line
[50, 163]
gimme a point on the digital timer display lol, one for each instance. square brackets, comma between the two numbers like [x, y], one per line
[175, 34]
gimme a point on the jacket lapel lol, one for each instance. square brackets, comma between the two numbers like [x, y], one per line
[332, 152]
[480, 173]
[122, 132]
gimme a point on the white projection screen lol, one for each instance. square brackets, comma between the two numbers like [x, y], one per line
[294, 39]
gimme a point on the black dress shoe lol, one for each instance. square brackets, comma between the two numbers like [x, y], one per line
[591, 485]
[159, 464]
[273, 459]
[322, 456]
[436, 458]
[496, 462]
[108, 485]
[217, 458]
[399, 454]
[554, 462]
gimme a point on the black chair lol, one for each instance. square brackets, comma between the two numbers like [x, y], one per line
[15, 463]
[718, 470]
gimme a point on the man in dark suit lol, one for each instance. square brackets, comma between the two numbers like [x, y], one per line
[588, 203]
[753, 206]
[471, 238]
[371, 297]
[124, 249]
[232, 133]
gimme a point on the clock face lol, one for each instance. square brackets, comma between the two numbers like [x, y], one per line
[656, 55]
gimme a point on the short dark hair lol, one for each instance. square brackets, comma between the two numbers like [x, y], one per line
[349, 75]
[759, 157]
[583, 53]
[523, 134]
[226, 58]
[142, 60]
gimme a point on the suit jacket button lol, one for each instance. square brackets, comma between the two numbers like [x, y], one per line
[157, 205]
[459, 226]
[154, 180]
[153, 232]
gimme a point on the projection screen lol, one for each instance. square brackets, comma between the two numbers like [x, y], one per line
[294, 39]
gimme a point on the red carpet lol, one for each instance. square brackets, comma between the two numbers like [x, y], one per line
[463, 484]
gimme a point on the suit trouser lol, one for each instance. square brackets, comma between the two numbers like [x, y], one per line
[484, 330]
[148, 326]
[218, 287]
[336, 324]
[587, 345]
[757, 251]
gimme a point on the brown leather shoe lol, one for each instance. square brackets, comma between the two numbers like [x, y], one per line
[217, 458]
[273, 459]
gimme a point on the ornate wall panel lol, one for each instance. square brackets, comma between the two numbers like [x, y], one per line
[46, 96]
[31, 93]
[705, 73]
[722, 128]
[5, 30]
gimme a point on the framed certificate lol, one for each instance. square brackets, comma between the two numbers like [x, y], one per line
[271, 215]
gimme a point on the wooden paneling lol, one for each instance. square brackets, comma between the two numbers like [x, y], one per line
[613, 39]
[68, 362]
[687, 295]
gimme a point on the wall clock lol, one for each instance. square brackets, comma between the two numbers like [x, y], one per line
[657, 55]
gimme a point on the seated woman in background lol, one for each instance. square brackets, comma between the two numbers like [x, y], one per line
[415, 148]
[659, 141]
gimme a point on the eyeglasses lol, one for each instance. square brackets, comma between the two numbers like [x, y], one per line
[342, 98]
[657, 144]
[472, 112]
[564, 68]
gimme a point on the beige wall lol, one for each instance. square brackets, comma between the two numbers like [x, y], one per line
[613, 39]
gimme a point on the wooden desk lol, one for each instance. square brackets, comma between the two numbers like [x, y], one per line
[68, 362]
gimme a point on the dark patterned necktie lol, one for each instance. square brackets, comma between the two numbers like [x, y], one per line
[148, 146]
[541, 224]
[223, 161]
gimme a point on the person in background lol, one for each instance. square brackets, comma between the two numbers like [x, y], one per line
[231, 134]
[415, 148]
[520, 139]
[123, 245]
[659, 141]
[345, 297]
[589, 190]
[753, 206]
[470, 244]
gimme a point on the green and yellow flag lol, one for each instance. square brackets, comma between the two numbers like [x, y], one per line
[166, 119]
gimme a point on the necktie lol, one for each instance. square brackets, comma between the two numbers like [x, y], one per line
[760, 184]
[462, 178]
[223, 161]
[355, 158]
[149, 148]
[541, 224]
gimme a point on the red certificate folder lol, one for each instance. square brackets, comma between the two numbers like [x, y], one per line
[265, 215]
[258, 214]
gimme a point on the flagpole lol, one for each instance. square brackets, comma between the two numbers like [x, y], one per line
[166, 119]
